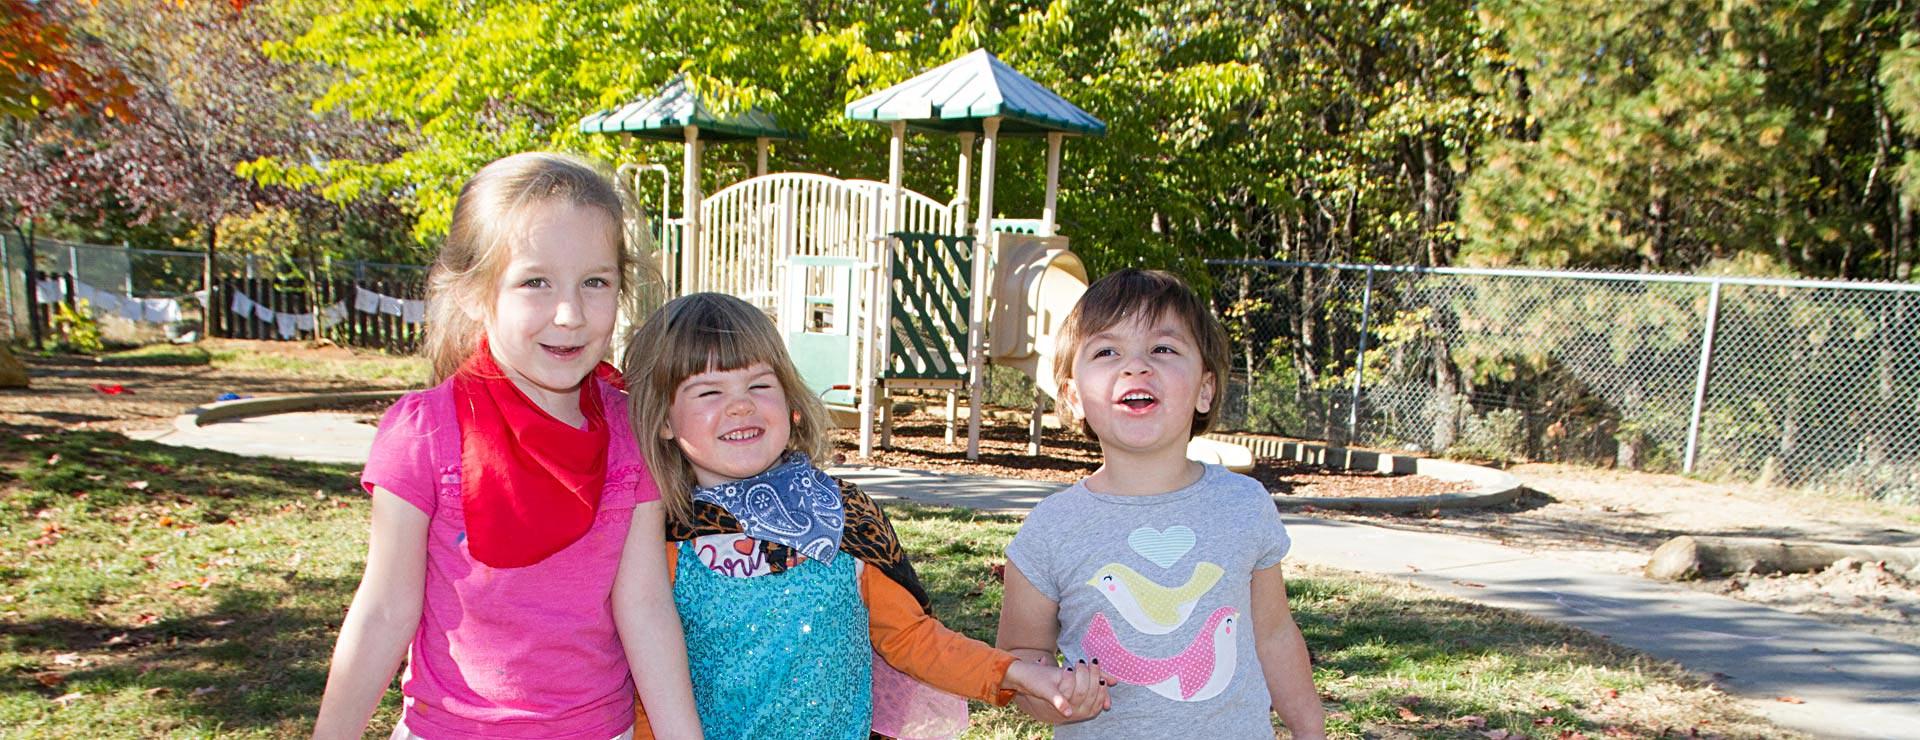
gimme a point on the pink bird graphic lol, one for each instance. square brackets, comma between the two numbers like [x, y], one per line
[1198, 673]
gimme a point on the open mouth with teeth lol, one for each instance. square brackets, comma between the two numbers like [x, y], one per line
[562, 352]
[1138, 400]
[743, 435]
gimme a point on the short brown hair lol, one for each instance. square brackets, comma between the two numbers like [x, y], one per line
[692, 335]
[1150, 295]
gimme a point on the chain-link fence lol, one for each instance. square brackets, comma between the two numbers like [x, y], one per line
[1796, 382]
[137, 295]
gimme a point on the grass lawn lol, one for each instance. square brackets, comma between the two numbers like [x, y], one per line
[159, 591]
[340, 363]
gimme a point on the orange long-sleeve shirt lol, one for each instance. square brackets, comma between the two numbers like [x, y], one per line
[913, 642]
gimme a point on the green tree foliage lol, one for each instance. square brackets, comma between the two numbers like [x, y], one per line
[1666, 135]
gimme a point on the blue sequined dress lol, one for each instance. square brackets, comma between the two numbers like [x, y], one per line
[784, 655]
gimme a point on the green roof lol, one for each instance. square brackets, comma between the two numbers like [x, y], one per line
[958, 95]
[666, 113]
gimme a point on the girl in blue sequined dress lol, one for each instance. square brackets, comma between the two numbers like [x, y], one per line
[799, 606]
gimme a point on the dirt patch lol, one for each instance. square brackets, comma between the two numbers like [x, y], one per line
[919, 442]
[75, 392]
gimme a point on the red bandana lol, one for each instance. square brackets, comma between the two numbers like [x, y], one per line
[530, 483]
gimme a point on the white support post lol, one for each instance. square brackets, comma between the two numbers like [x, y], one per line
[953, 413]
[760, 156]
[1700, 377]
[960, 199]
[977, 306]
[1359, 363]
[690, 213]
[1053, 183]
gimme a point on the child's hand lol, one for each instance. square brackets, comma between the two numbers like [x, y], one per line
[1078, 692]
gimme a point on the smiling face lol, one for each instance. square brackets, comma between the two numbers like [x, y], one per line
[731, 424]
[1137, 385]
[554, 305]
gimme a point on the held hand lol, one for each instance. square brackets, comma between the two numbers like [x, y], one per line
[1077, 693]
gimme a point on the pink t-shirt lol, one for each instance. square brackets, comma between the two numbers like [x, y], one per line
[516, 652]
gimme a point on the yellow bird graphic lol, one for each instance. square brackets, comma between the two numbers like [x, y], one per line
[1150, 607]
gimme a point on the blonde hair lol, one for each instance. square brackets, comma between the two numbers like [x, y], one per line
[1148, 295]
[695, 334]
[489, 218]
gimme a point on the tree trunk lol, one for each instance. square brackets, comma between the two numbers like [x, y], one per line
[1688, 557]
[206, 281]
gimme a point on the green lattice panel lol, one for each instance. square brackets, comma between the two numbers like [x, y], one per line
[931, 286]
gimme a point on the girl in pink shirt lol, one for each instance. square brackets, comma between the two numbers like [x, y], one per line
[517, 535]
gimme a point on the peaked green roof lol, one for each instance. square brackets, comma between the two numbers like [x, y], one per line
[666, 113]
[958, 95]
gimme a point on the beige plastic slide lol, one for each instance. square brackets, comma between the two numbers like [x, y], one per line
[1036, 282]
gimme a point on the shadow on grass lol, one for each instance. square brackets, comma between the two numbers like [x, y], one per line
[106, 469]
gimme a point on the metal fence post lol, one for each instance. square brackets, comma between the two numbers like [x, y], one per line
[1360, 361]
[1700, 377]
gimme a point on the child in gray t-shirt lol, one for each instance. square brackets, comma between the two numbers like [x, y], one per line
[1158, 572]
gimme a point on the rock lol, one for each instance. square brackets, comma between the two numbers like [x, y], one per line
[13, 374]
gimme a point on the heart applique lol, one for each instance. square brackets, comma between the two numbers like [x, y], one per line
[1164, 546]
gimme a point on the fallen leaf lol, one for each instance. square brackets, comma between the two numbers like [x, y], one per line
[65, 699]
[1792, 700]
[204, 690]
[32, 437]
[146, 618]
[1409, 715]
[1497, 734]
[177, 585]
[119, 639]
[138, 485]
[67, 659]
[158, 691]
[50, 679]
[96, 478]
[1572, 735]
[1543, 721]
[1472, 722]
[53, 459]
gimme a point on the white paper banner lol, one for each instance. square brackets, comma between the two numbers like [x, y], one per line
[160, 310]
[334, 314]
[365, 301]
[413, 312]
[286, 323]
[262, 313]
[242, 304]
[51, 292]
[390, 305]
[303, 321]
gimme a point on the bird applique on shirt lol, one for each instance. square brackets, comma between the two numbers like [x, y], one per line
[1150, 607]
[1197, 673]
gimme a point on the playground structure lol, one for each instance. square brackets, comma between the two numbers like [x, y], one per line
[879, 288]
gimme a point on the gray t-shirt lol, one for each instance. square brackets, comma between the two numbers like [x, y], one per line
[1157, 588]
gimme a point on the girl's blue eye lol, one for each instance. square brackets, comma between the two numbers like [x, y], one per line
[598, 282]
[1165, 348]
[1104, 353]
[534, 283]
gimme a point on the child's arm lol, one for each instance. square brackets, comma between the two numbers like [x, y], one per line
[1030, 630]
[917, 644]
[650, 628]
[1283, 656]
[382, 621]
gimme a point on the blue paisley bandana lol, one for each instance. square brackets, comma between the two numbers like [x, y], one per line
[792, 503]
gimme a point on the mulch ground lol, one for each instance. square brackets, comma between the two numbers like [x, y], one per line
[1066, 456]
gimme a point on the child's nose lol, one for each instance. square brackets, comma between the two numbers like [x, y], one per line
[567, 313]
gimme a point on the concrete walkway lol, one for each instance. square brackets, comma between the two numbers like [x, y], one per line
[1853, 685]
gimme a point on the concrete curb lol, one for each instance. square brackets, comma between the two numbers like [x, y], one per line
[1489, 487]
[245, 407]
